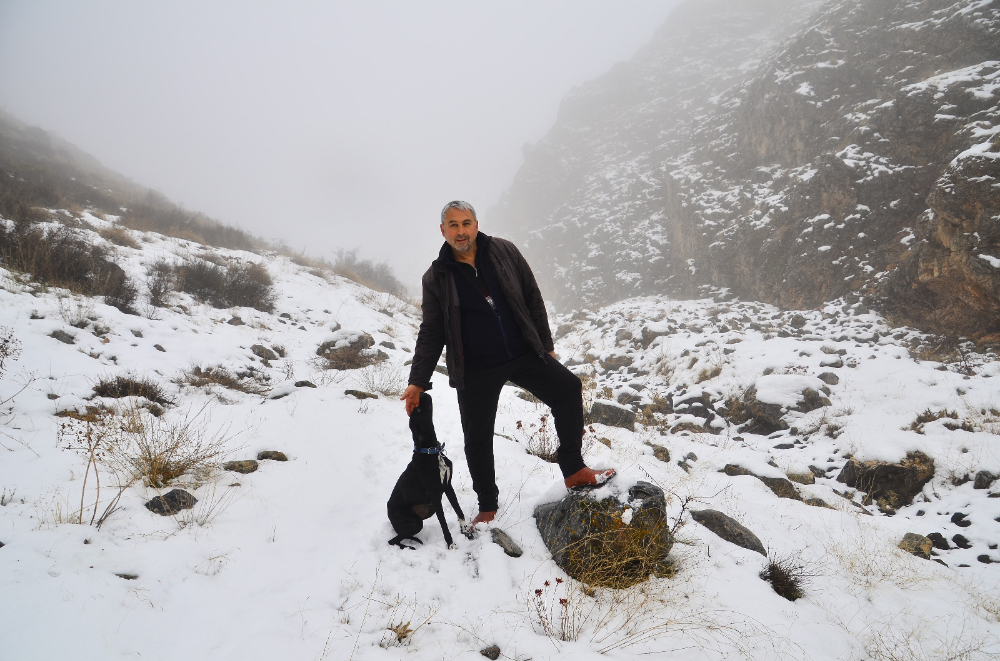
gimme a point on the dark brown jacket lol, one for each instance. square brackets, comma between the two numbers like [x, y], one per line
[441, 325]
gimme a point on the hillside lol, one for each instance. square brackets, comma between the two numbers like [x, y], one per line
[291, 560]
[789, 152]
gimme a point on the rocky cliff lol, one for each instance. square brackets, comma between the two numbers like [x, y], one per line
[792, 152]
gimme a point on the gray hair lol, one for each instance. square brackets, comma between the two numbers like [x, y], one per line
[460, 205]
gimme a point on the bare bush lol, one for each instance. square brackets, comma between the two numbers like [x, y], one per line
[539, 438]
[383, 378]
[57, 256]
[119, 236]
[130, 384]
[372, 274]
[10, 348]
[159, 282]
[239, 284]
[250, 382]
[787, 576]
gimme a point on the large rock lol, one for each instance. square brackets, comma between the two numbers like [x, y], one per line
[346, 339]
[983, 480]
[889, 485]
[263, 352]
[609, 413]
[781, 487]
[172, 502]
[762, 407]
[918, 545]
[609, 542]
[729, 529]
[241, 466]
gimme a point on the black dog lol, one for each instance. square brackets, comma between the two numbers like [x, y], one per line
[417, 494]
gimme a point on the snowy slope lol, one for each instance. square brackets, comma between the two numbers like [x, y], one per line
[291, 561]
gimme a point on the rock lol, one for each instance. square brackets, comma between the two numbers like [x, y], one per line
[939, 541]
[818, 502]
[728, 529]
[235, 321]
[263, 352]
[891, 486]
[797, 321]
[243, 466]
[305, 384]
[779, 485]
[273, 455]
[802, 478]
[608, 543]
[504, 541]
[387, 344]
[623, 334]
[159, 348]
[983, 480]
[831, 362]
[563, 330]
[127, 576]
[285, 315]
[613, 363]
[356, 340]
[650, 333]
[62, 336]
[2, 545]
[829, 378]
[360, 394]
[137, 333]
[958, 518]
[171, 503]
[985, 559]
[918, 545]
[691, 456]
[492, 652]
[660, 452]
[961, 542]
[608, 413]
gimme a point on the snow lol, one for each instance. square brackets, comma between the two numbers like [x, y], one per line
[994, 261]
[291, 561]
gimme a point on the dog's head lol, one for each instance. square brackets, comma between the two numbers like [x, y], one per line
[422, 423]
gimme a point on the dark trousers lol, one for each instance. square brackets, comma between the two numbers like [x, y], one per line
[547, 380]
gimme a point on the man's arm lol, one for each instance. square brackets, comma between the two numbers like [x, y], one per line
[535, 304]
[430, 338]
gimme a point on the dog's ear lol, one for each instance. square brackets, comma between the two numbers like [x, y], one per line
[426, 403]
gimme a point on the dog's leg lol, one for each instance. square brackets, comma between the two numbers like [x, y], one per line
[444, 526]
[398, 541]
[463, 527]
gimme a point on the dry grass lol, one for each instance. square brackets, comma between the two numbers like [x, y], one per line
[787, 576]
[351, 357]
[250, 382]
[130, 384]
[539, 438]
[382, 378]
[119, 236]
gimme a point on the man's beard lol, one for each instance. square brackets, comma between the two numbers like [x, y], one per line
[467, 248]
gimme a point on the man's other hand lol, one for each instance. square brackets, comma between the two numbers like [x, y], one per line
[553, 354]
[412, 397]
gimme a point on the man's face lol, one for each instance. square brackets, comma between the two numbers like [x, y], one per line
[459, 229]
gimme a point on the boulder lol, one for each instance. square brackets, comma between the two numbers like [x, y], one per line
[273, 455]
[492, 652]
[829, 378]
[62, 336]
[653, 331]
[918, 545]
[263, 352]
[360, 394]
[172, 502]
[660, 452]
[728, 529]
[609, 413]
[305, 384]
[889, 485]
[939, 541]
[243, 466]
[235, 321]
[346, 339]
[983, 480]
[802, 478]
[610, 542]
[613, 363]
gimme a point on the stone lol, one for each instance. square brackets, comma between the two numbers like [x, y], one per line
[960, 520]
[563, 330]
[613, 363]
[171, 503]
[648, 335]
[243, 466]
[610, 414]
[272, 455]
[263, 352]
[159, 348]
[235, 321]
[622, 335]
[137, 333]
[818, 502]
[660, 452]
[492, 652]
[889, 485]
[614, 542]
[504, 541]
[62, 336]
[961, 542]
[781, 487]
[387, 344]
[285, 315]
[939, 541]
[983, 480]
[360, 394]
[305, 384]
[797, 321]
[358, 341]
[829, 378]
[802, 478]
[834, 362]
[985, 559]
[729, 529]
[918, 545]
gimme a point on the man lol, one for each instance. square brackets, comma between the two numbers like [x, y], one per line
[481, 300]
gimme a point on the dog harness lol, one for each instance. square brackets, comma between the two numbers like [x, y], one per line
[429, 450]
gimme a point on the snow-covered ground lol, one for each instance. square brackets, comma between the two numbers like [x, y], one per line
[291, 561]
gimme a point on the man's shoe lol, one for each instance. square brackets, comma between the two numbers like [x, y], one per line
[483, 517]
[588, 477]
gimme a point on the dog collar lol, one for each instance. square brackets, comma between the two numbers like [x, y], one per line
[429, 450]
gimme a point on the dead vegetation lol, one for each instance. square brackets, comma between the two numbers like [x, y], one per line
[248, 381]
[239, 284]
[130, 384]
[787, 576]
[119, 236]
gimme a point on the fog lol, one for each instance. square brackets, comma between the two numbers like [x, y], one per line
[323, 125]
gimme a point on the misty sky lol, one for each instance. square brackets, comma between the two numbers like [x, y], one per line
[325, 124]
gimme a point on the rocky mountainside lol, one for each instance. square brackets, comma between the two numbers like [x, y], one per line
[791, 152]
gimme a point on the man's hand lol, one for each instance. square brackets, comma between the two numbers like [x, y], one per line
[412, 397]
[553, 354]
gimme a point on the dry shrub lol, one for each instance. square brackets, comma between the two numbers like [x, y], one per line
[249, 381]
[158, 450]
[709, 373]
[10, 348]
[131, 384]
[374, 275]
[383, 378]
[930, 416]
[57, 256]
[119, 236]
[351, 357]
[539, 439]
[160, 282]
[237, 285]
[787, 576]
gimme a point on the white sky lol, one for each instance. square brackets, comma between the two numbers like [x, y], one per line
[324, 124]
